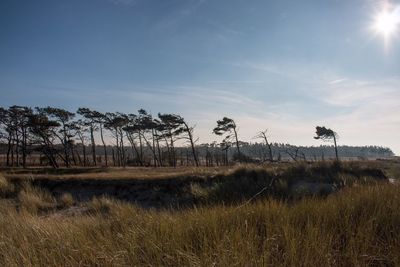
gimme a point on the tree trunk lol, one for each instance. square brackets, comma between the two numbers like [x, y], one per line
[17, 146]
[93, 145]
[8, 150]
[140, 146]
[152, 150]
[336, 150]
[24, 145]
[159, 152]
[237, 143]
[122, 148]
[271, 159]
[192, 144]
[104, 145]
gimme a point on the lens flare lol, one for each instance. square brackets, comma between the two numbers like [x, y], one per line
[387, 22]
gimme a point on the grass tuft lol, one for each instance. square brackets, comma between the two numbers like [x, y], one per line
[6, 188]
[66, 200]
[33, 199]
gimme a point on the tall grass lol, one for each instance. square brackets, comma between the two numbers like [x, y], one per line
[359, 226]
[33, 199]
[6, 188]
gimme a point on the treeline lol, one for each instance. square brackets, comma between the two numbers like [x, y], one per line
[57, 137]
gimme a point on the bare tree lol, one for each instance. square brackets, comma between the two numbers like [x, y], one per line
[263, 135]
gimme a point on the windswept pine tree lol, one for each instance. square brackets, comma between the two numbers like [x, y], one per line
[326, 134]
[228, 127]
[64, 118]
[16, 131]
[169, 125]
[115, 123]
[90, 118]
[44, 136]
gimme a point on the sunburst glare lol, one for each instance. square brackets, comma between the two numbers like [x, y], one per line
[387, 22]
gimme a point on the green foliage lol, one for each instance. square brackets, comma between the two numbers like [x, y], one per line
[224, 125]
[324, 133]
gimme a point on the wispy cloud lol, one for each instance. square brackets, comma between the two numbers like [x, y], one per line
[337, 81]
[360, 92]
[362, 111]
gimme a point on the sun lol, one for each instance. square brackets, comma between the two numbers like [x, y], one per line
[387, 22]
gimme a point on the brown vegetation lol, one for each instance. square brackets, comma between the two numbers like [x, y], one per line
[356, 226]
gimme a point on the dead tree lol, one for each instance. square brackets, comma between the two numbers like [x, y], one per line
[263, 135]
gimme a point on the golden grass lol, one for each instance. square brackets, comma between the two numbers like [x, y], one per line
[359, 226]
[33, 199]
[6, 187]
[116, 173]
[66, 200]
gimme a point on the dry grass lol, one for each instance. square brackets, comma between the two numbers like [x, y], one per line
[66, 200]
[358, 227]
[34, 199]
[6, 188]
[115, 173]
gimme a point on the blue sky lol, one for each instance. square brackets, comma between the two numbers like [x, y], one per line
[283, 65]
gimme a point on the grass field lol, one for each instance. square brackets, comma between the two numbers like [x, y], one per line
[356, 225]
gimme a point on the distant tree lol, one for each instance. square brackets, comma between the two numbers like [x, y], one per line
[263, 135]
[295, 153]
[169, 125]
[80, 128]
[326, 134]
[227, 126]
[8, 132]
[91, 120]
[43, 130]
[185, 131]
[64, 118]
[20, 116]
[14, 129]
[147, 127]
[101, 120]
[131, 131]
[116, 122]
[225, 145]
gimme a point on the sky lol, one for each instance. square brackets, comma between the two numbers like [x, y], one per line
[286, 66]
